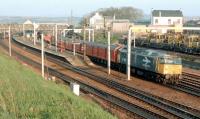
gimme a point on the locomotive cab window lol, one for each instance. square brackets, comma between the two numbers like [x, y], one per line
[170, 60]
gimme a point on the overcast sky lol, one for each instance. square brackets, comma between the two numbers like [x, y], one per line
[57, 8]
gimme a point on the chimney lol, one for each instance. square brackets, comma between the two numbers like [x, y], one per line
[160, 14]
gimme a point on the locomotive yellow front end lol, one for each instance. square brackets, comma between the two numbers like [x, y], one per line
[170, 68]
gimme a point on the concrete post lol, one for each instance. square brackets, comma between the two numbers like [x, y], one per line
[129, 56]
[42, 54]
[89, 36]
[61, 35]
[84, 43]
[93, 35]
[4, 35]
[53, 31]
[74, 49]
[64, 34]
[134, 39]
[56, 37]
[109, 52]
[34, 40]
[9, 37]
[23, 30]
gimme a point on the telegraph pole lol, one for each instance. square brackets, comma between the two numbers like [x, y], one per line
[129, 55]
[109, 52]
[9, 41]
[42, 40]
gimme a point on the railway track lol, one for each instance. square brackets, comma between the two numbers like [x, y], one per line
[169, 106]
[190, 84]
[126, 105]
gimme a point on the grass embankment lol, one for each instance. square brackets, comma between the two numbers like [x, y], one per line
[24, 94]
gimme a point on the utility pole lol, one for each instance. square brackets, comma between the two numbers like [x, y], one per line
[42, 53]
[9, 41]
[109, 52]
[84, 38]
[129, 56]
[56, 37]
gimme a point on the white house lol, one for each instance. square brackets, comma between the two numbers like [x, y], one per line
[97, 21]
[167, 18]
[117, 25]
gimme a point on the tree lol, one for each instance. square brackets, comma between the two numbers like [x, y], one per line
[120, 13]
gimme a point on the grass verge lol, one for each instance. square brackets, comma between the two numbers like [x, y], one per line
[24, 94]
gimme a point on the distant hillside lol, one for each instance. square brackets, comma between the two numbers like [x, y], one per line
[19, 20]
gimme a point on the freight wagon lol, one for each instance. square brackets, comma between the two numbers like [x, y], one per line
[152, 64]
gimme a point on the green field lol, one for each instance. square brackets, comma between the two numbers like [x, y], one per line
[24, 94]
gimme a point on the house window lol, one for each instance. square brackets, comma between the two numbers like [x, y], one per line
[156, 21]
[169, 21]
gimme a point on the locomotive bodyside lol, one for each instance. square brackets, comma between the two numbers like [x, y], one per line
[152, 64]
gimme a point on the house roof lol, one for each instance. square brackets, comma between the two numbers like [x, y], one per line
[167, 13]
[28, 22]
